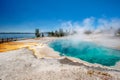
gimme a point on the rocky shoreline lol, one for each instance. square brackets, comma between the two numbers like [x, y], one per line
[22, 64]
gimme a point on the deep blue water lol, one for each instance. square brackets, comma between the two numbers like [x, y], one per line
[87, 51]
[17, 36]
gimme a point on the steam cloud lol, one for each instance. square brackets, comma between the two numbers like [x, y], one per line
[100, 25]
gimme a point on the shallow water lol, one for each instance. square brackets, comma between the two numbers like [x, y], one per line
[87, 51]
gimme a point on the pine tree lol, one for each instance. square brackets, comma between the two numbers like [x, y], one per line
[37, 34]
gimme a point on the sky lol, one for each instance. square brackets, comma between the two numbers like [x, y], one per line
[48, 15]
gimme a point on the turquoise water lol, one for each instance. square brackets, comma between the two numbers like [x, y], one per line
[87, 51]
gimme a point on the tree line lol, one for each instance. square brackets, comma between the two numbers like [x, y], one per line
[56, 33]
[61, 33]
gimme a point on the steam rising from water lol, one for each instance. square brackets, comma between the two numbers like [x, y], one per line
[103, 31]
[87, 51]
[91, 48]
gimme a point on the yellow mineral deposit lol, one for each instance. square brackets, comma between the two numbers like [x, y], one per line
[15, 45]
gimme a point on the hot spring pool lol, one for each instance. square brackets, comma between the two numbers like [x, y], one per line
[87, 51]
